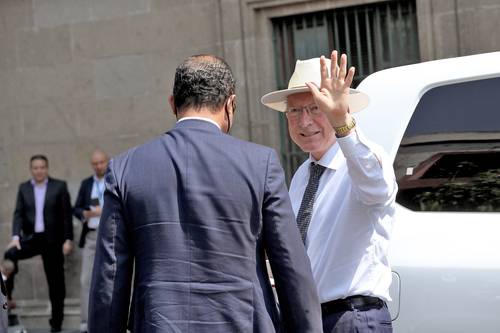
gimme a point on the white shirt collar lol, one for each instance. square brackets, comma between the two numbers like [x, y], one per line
[332, 159]
[97, 179]
[199, 118]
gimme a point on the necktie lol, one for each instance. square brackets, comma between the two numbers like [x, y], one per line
[306, 206]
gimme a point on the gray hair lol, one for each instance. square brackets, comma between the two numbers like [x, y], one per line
[202, 81]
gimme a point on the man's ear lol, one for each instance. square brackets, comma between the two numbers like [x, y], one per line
[231, 103]
[172, 104]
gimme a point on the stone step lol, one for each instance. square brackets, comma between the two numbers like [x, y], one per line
[35, 314]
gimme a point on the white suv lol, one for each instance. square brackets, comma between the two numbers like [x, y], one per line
[440, 122]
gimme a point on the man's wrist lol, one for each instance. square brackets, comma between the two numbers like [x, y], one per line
[345, 129]
[15, 238]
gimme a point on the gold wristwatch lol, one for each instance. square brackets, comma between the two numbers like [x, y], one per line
[343, 130]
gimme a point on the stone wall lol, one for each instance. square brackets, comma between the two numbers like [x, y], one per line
[81, 74]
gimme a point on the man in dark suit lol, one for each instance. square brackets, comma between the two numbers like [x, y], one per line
[196, 210]
[43, 225]
[88, 210]
[3, 302]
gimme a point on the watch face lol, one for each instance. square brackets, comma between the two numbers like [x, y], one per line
[94, 202]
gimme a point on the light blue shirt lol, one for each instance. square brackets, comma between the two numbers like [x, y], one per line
[98, 188]
[39, 191]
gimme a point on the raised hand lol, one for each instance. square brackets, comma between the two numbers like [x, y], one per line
[333, 96]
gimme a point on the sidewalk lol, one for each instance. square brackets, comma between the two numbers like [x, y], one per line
[17, 329]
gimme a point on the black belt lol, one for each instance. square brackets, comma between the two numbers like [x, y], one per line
[351, 303]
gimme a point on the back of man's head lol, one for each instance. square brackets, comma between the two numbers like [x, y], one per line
[202, 81]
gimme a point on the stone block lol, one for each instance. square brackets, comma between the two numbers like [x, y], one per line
[104, 9]
[98, 39]
[16, 14]
[50, 13]
[166, 5]
[9, 83]
[153, 115]
[47, 123]
[7, 50]
[174, 30]
[10, 128]
[446, 36]
[5, 233]
[477, 4]
[476, 28]
[122, 76]
[44, 47]
[443, 6]
[59, 82]
[139, 118]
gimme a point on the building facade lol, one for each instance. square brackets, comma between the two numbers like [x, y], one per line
[76, 75]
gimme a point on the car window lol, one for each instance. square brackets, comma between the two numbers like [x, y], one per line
[449, 157]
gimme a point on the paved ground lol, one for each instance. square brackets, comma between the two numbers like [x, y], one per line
[18, 329]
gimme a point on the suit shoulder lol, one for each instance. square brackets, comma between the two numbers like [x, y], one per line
[58, 182]
[119, 162]
[25, 184]
[253, 147]
[88, 180]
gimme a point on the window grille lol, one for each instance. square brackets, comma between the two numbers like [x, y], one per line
[374, 36]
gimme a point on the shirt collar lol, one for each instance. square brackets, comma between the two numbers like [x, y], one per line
[332, 159]
[43, 184]
[97, 179]
[199, 118]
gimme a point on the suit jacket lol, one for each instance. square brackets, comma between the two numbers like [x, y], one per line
[83, 202]
[56, 213]
[197, 210]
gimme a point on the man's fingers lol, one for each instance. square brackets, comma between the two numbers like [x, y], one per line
[343, 66]
[313, 89]
[334, 67]
[349, 78]
[323, 69]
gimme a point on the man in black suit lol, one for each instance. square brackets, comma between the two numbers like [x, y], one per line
[190, 215]
[88, 208]
[43, 225]
[3, 302]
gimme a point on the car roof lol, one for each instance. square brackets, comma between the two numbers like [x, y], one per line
[395, 92]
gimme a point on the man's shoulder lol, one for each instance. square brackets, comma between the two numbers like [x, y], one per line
[119, 162]
[57, 182]
[250, 147]
[25, 184]
[87, 181]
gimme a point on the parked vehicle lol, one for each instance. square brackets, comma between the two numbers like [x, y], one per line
[440, 122]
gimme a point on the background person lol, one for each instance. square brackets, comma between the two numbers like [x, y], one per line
[88, 208]
[43, 226]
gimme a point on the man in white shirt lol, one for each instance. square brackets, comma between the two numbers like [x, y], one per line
[342, 195]
[88, 207]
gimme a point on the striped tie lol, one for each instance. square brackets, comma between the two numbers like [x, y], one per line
[306, 206]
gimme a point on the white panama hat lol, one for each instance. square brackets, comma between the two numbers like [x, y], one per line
[309, 71]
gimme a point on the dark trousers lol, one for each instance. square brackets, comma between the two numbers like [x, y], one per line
[358, 320]
[53, 264]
